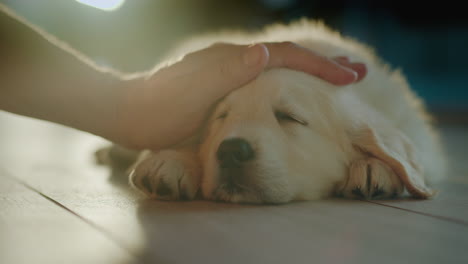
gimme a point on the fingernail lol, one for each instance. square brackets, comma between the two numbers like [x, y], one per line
[361, 70]
[355, 75]
[351, 76]
[252, 55]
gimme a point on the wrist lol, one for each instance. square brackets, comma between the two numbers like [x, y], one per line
[128, 108]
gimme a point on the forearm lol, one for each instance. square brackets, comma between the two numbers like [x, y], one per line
[42, 77]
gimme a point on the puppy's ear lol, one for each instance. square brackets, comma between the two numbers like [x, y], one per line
[397, 151]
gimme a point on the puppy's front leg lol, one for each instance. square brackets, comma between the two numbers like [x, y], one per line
[167, 174]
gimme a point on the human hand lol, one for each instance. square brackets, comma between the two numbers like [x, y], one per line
[172, 104]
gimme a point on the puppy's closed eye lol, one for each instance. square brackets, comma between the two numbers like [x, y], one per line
[223, 115]
[284, 117]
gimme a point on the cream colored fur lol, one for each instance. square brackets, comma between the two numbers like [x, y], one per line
[371, 139]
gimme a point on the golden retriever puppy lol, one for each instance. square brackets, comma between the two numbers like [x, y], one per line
[290, 136]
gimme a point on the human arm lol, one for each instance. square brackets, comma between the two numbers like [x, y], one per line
[141, 111]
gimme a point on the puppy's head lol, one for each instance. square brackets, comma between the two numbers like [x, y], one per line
[274, 140]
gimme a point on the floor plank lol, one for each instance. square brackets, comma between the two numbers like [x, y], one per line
[58, 161]
[450, 204]
[337, 231]
[311, 232]
[34, 230]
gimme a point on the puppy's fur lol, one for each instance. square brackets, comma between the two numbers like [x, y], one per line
[291, 136]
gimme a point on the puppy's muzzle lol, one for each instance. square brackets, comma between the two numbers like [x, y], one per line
[234, 153]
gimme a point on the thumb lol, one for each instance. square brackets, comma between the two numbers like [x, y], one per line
[240, 66]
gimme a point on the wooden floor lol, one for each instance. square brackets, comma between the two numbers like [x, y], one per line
[57, 206]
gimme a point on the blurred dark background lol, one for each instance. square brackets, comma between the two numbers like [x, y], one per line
[428, 41]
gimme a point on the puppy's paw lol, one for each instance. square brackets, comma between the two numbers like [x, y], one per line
[371, 179]
[167, 175]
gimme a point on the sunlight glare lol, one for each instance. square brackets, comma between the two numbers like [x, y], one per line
[106, 5]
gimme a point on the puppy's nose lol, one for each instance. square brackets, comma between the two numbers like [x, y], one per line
[233, 152]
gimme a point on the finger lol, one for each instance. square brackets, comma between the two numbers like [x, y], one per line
[293, 56]
[359, 68]
[342, 59]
